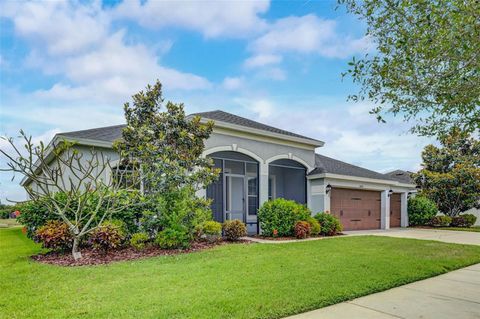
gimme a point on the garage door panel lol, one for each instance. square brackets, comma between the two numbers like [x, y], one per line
[356, 209]
[395, 210]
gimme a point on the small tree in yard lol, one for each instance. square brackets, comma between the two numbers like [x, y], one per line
[450, 176]
[84, 181]
[167, 148]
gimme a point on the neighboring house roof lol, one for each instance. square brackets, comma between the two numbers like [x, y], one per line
[112, 133]
[222, 116]
[107, 133]
[327, 165]
[401, 176]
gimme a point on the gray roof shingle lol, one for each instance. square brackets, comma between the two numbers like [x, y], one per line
[324, 164]
[222, 116]
[401, 176]
[107, 133]
[112, 133]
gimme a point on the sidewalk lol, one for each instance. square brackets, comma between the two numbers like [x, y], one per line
[452, 295]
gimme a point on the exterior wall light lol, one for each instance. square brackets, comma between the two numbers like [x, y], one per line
[328, 188]
[390, 192]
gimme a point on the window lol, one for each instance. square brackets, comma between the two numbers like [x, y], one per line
[125, 176]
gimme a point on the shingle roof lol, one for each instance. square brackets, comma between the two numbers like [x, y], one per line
[222, 116]
[107, 133]
[401, 176]
[324, 164]
[112, 133]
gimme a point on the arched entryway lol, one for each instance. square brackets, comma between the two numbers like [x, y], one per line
[287, 179]
[235, 195]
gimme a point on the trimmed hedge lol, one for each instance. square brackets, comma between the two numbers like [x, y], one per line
[465, 220]
[278, 217]
[421, 210]
[329, 224]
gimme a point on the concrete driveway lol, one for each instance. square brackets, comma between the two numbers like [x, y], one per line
[448, 236]
[452, 295]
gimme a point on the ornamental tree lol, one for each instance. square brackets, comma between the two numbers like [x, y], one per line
[77, 187]
[450, 174]
[166, 147]
[426, 65]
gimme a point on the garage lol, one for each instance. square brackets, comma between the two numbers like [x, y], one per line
[356, 209]
[395, 210]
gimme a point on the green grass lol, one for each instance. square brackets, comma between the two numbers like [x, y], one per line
[232, 281]
[472, 229]
[6, 223]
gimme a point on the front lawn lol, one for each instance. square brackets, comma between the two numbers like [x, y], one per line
[231, 281]
[473, 229]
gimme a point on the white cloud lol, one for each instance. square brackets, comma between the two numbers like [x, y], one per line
[211, 18]
[308, 34]
[62, 27]
[233, 83]
[262, 60]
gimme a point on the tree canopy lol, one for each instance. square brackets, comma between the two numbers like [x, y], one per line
[450, 174]
[426, 66]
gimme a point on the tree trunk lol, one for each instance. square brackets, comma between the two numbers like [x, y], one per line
[75, 252]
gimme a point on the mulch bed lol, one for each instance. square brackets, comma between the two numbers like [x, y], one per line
[93, 257]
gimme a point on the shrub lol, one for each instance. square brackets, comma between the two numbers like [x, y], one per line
[54, 235]
[139, 241]
[465, 220]
[329, 224]
[210, 231]
[314, 226]
[107, 236]
[35, 214]
[234, 229]
[440, 221]
[280, 215]
[302, 229]
[173, 238]
[420, 210]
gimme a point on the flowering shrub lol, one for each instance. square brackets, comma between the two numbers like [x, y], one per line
[234, 229]
[302, 229]
[54, 235]
[281, 215]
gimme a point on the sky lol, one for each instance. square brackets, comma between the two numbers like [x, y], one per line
[69, 66]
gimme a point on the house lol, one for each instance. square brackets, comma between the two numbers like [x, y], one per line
[259, 162]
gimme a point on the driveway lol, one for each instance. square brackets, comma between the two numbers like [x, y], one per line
[448, 236]
[453, 295]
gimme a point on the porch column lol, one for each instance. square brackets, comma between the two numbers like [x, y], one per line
[309, 194]
[385, 210]
[404, 209]
[263, 185]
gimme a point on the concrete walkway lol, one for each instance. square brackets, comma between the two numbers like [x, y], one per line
[448, 236]
[453, 295]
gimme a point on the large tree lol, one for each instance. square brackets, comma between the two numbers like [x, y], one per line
[450, 174]
[426, 66]
[165, 146]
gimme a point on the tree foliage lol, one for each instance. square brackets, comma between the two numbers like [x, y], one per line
[166, 146]
[450, 174]
[426, 66]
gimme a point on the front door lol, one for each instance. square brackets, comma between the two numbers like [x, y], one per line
[234, 197]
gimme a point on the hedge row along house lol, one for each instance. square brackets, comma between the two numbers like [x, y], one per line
[260, 162]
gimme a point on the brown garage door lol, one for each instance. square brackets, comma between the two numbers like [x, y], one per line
[395, 210]
[356, 209]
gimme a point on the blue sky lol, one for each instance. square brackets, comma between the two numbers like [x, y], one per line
[71, 65]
